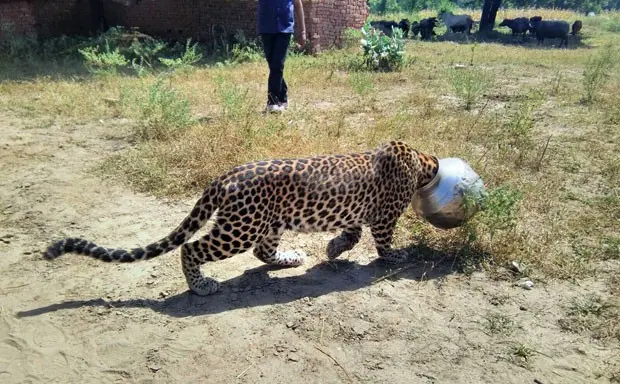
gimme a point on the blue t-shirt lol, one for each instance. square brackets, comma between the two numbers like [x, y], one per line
[275, 16]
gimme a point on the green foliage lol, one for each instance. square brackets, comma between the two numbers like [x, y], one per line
[517, 134]
[160, 112]
[106, 62]
[381, 52]
[597, 72]
[361, 83]
[351, 37]
[191, 55]
[233, 98]
[500, 209]
[469, 84]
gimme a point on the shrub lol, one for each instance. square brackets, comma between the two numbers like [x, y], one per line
[161, 113]
[469, 84]
[190, 56]
[597, 72]
[103, 63]
[381, 52]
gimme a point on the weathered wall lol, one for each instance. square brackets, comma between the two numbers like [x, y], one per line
[177, 19]
[326, 20]
[186, 18]
[45, 17]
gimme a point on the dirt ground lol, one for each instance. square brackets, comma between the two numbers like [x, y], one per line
[77, 320]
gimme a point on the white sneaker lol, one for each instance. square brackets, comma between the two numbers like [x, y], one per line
[275, 108]
[284, 105]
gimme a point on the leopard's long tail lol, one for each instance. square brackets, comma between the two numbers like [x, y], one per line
[200, 214]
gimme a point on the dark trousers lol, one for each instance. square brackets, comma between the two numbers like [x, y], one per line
[276, 47]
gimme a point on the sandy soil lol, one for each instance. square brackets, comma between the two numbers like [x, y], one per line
[77, 320]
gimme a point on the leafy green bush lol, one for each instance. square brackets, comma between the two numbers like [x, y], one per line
[381, 52]
[160, 112]
[191, 56]
[106, 62]
[498, 214]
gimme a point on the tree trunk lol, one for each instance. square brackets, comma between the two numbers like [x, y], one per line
[489, 13]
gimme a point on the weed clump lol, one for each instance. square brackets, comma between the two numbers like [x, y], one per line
[160, 112]
[469, 84]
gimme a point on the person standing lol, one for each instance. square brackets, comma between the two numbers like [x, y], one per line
[276, 19]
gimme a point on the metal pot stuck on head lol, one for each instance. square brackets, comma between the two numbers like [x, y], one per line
[452, 197]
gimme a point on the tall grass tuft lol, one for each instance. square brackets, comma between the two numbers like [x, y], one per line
[160, 112]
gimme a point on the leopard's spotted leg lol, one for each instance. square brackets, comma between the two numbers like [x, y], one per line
[382, 233]
[267, 252]
[209, 248]
[343, 242]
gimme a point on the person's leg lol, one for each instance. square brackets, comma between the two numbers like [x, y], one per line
[280, 50]
[273, 86]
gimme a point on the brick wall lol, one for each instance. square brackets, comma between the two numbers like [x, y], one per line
[176, 19]
[180, 19]
[41, 18]
[326, 20]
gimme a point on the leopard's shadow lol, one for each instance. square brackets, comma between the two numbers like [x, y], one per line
[255, 288]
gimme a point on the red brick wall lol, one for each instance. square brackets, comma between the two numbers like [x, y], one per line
[204, 19]
[326, 20]
[45, 17]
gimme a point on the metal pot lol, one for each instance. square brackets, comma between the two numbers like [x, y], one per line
[443, 201]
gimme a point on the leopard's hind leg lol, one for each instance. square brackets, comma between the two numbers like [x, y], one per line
[217, 245]
[343, 242]
[267, 252]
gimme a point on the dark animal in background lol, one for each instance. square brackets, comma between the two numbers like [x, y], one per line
[551, 29]
[425, 27]
[405, 25]
[576, 27]
[519, 26]
[534, 20]
[457, 23]
[384, 26]
[414, 29]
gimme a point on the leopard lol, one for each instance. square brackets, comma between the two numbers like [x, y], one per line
[252, 205]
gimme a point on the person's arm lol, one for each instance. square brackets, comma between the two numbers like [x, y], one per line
[299, 13]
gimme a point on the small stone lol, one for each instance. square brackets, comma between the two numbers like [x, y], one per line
[582, 350]
[293, 357]
[525, 284]
[291, 325]
[27, 253]
[279, 348]
[154, 368]
[523, 307]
